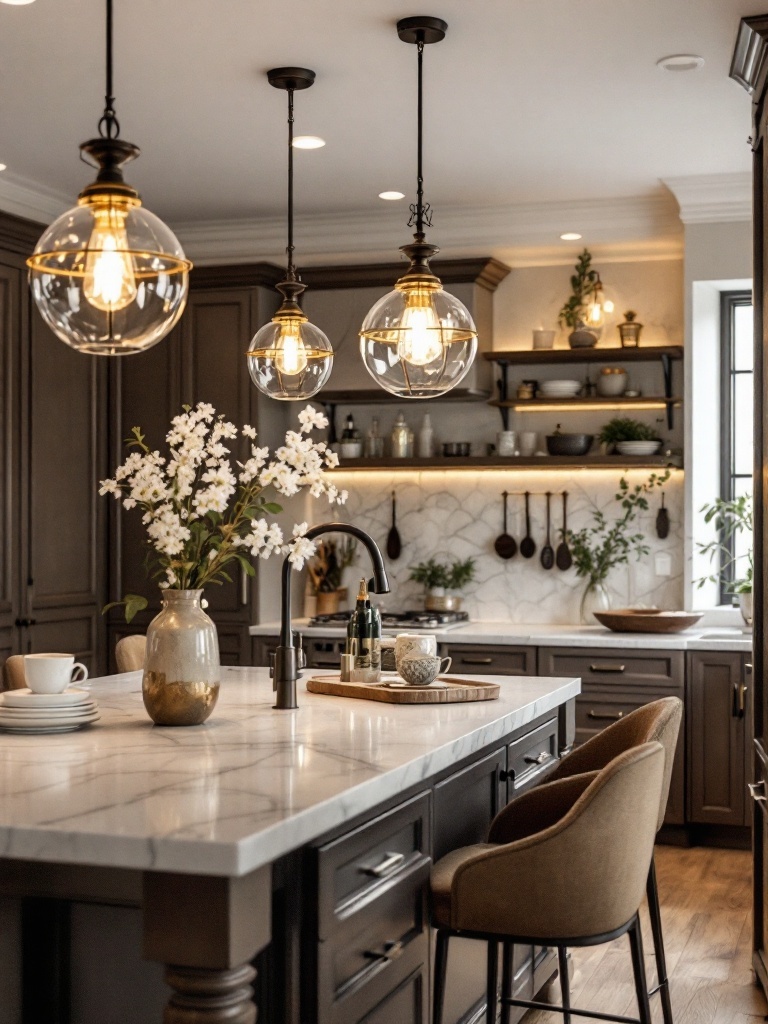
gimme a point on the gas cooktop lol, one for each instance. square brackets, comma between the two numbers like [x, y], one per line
[403, 621]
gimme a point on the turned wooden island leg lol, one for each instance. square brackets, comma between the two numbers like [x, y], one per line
[206, 931]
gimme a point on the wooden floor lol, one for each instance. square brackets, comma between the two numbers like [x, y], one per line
[706, 912]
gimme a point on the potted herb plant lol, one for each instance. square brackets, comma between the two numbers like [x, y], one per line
[439, 579]
[621, 429]
[586, 291]
[326, 568]
[729, 519]
[597, 548]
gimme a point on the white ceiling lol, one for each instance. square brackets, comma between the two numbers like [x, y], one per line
[549, 105]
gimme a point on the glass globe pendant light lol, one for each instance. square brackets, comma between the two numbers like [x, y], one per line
[597, 306]
[109, 277]
[418, 341]
[289, 358]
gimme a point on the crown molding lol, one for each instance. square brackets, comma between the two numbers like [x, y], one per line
[31, 200]
[519, 233]
[713, 198]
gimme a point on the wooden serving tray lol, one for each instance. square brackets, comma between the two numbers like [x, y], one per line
[445, 690]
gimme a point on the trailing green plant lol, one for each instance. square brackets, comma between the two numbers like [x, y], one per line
[729, 519]
[623, 428]
[450, 575]
[584, 284]
[596, 549]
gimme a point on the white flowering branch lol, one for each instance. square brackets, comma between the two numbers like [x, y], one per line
[201, 514]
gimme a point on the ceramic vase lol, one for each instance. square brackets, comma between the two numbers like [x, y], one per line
[594, 599]
[181, 669]
[745, 607]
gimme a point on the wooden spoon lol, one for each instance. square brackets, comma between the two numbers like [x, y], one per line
[394, 544]
[563, 556]
[505, 545]
[527, 544]
[548, 552]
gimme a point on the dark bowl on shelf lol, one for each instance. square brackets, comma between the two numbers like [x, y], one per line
[454, 449]
[569, 444]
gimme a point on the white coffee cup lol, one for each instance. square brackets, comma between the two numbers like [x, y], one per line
[414, 643]
[52, 673]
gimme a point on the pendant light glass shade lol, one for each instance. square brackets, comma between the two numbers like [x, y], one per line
[109, 277]
[418, 341]
[289, 358]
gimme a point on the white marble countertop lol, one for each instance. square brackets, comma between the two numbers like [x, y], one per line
[245, 788]
[514, 634]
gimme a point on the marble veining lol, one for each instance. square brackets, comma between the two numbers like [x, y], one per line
[245, 788]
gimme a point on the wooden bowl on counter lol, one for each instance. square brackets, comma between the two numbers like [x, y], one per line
[647, 620]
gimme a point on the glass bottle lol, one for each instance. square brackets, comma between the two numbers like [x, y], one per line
[401, 439]
[350, 443]
[374, 442]
[426, 438]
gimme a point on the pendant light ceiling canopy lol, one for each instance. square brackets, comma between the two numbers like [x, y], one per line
[289, 358]
[108, 276]
[418, 341]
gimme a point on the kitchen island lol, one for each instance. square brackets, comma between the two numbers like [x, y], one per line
[307, 834]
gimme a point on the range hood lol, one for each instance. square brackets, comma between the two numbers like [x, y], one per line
[338, 299]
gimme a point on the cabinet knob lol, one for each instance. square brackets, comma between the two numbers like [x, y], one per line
[26, 622]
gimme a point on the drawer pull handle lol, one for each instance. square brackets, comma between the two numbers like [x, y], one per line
[388, 866]
[754, 791]
[543, 757]
[477, 661]
[739, 700]
[606, 668]
[609, 716]
[392, 950]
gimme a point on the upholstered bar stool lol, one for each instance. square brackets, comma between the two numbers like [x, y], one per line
[13, 673]
[570, 871]
[659, 721]
[130, 653]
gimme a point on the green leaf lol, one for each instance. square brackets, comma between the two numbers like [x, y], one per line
[272, 507]
[134, 603]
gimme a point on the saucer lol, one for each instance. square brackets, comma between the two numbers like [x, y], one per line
[27, 699]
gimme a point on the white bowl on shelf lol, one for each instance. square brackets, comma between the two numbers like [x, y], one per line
[637, 447]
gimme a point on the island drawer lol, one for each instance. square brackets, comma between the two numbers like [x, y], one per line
[480, 659]
[374, 951]
[364, 865]
[531, 756]
[661, 671]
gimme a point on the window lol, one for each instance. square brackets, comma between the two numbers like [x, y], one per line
[736, 413]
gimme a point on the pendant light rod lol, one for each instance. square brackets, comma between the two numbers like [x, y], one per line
[109, 126]
[421, 30]
[290, 79]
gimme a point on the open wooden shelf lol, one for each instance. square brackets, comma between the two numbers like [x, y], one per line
[547, 356]
[595, 402]
[615, 462]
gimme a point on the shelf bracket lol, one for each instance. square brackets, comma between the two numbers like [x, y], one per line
[666, 365]
[503, 385]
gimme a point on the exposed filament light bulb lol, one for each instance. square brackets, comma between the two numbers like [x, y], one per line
[290, 350]
[420, 337]
[109, 281]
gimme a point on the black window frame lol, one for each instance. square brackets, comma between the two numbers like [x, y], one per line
[729, 301]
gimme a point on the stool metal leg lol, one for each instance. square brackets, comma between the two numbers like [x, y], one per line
[441, 965]
[507, 980]
[654, 910]
[565, 982]
[638, 967]
[492, 993]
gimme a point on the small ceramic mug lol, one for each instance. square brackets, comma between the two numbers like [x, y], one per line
[422, 669]
[52, 673]
[414, 643]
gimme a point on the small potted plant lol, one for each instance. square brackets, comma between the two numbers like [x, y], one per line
[439, 579]
[629, 437]
[583, 310]
[729, 519]
[325, 570]
[596, 549]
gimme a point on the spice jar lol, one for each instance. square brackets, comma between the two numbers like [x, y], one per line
[401, 439]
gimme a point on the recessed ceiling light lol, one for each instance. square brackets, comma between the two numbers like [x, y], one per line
[3, 166]
[681, 62]
[17, 3]
[571, 236]
[308, 142]
[391, 195]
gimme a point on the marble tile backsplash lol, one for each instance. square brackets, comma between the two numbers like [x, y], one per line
[459, 515]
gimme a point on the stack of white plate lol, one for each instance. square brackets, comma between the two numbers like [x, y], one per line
[22, 711]
[559, 388]
[638, 447]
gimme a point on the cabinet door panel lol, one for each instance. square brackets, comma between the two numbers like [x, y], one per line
[10, 332]
[406, 1005]
[716, 738]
